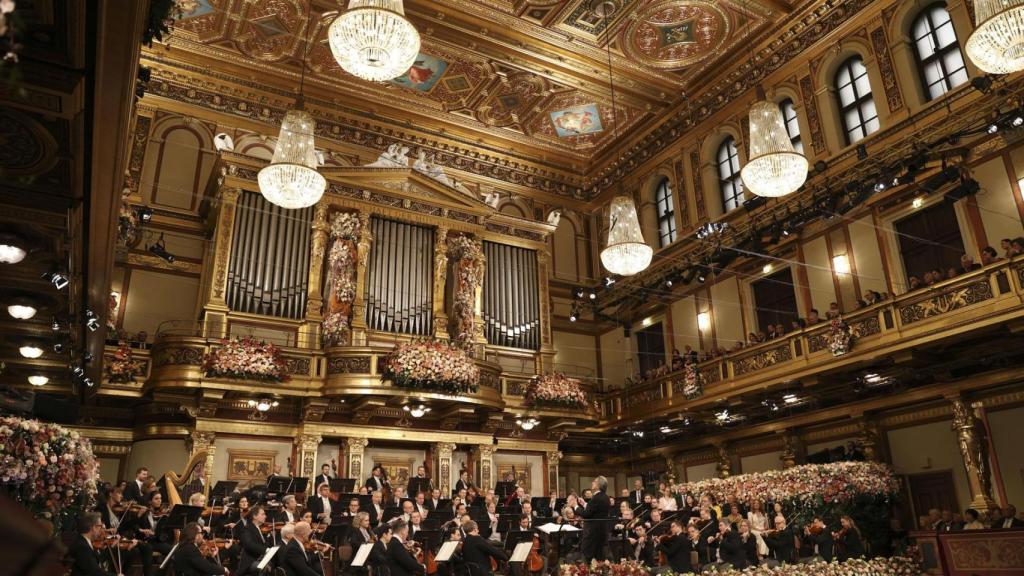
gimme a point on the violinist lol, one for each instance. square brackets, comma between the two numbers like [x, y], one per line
[730, 547]
[353, 508]
[289, 509]
[697, 548]
[479, 551]
[847, 540]
[749, 543]
[360, 533]
[780, 541]
[234, 516]
[820, 538]
[296, 560]
[254, 545]
[400, 561]
[85, 560]
[642, 547]
[122, 518]
[378, 559]
[376, 482]
[674, 546]
[188, 560]
[322, 505]
[147, 525]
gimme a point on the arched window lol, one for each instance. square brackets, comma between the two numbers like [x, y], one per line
[938, 53]
[729, 179]
[856, 105]
[792, 125]
[665, 208]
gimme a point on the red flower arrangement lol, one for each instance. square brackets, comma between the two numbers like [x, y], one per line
[246, 359]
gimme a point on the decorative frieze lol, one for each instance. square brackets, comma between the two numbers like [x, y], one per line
[763, 359]
[953, 299]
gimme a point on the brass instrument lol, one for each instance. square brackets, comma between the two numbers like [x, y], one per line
[172, 481]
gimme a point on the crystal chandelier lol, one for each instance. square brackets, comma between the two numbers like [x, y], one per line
[373, 40]
[997, 43]
[775, 168]
[291, 180]
[626, 252]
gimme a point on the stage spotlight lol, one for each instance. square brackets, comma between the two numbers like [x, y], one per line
[992, 128]
[55, 325]
[91, 321]
[160, 249]
[58, 348]
[145, 214]
[577, 293]
[608, 281]
[982, 83]
[59, 280]
[702, 274]
[592, 295]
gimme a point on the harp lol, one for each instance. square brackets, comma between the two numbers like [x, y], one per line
[173, 481]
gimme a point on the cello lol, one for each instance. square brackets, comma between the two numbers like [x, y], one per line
[534, 561]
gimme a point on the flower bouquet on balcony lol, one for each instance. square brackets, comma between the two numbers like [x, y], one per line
[246, 359]
[120, 367]
[431, 366]
[341, 279]
[555, 390]
[693, 381]
[840, 340]
[48, 469]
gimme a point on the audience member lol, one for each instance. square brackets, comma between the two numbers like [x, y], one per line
[989, 255]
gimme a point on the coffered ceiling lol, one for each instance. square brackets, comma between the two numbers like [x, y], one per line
[525, 75]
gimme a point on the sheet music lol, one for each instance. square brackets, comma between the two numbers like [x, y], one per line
[521, 552]
[266, 557]
[446, 551]
[552, 527]
[362, 554]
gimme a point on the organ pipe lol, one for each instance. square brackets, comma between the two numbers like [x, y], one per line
[400, 279]
[511, 297]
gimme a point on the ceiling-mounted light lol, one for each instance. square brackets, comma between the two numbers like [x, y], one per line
[58, 279]
[790, 399]
[38, 380]
[767, 268]
[774, 168]
[159, 249]
[21, 311]
[995, 44]
[416, 410]
[91, 321]
[373, 40]
[722, 416]
[527, 423]
[30, 351]
[12, 248]
[626, 252]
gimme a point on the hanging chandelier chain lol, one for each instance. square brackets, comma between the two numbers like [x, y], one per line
[300, 101]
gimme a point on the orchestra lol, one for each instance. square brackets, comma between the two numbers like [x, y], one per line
[319, 533]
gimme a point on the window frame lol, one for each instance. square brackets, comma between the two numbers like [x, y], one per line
[665, 212]
[730, 178]
[938, 55]
[795, 139]
[859, 100]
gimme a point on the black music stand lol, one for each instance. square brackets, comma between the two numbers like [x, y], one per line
[177, 519]
[479, 514]
[429, 539]
[503, 489]
[338, 530]
[278, 484]
[514, 537]
[342, 485]
[222, 489]
[443, 503]
[390, 512]
[417, 485]
[430, 524]
[505, 521]
[299, 485]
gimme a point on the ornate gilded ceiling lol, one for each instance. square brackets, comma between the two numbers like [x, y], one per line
[524, 74]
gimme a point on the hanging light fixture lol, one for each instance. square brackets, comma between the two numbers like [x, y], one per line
[775, 168]
[625, 253]
[997, 43]
[12, 248]
[291, 179]
[416, 410]
[373, 40]
[527, 423]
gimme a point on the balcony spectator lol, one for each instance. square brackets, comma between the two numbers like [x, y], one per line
[833, 311]
[813, 317]
[989, 256]
[677, 360]
[1017, 246]
[780, 330]
[973, 520]
[915, 282]
[951, 273]
[1005, 245]
[967, 264]
[798, 324]
[689, 354]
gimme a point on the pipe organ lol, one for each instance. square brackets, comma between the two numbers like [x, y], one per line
[400, 280]
[269, 269]
[511, 307]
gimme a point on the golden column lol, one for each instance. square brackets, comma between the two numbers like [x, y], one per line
[547, 351]
[974, 450]
[440, 283]
[356, 448]
[868, 440]
[443, 452]
[215, 309]
[307, 446]
[359, 305]
[554, 457]
[486, 472]
[310, 336]
[724, 465]
[790, 450]
[203, 442]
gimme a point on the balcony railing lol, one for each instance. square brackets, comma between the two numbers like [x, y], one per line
[981, 298]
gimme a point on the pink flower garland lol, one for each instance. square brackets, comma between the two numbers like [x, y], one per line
[247, 359]
[468, 256]
[555, 389]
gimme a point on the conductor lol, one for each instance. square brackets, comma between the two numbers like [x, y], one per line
[595, 513]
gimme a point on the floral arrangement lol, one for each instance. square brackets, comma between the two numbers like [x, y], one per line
[341, 279]
[50, 470]
[468, 256]
[605, 568]
[839, 338]
[807, 486]
[121, 368]
[555, 390]
[895, 566]
[431, 365]
[693, 381]
[246, 358]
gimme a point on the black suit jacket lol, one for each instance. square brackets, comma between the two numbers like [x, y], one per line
[316, 506]
[460, 485]
[378, 555]
[254, 546]
[132, 492]
[824, 542]
[400, 562]
[852, 547]
[298, 562]
[730, 549]
[677, 553]
[321, 479]
[371, 484]
[477, 550]
[84, 560]
[701, 548]
[597, 513]
[750, 549]
[636, 497]
[1014, 523]
[189, 562]
[781, 545]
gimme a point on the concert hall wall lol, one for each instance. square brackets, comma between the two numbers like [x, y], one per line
[929, 448]
[158, 456]
[1007, 431]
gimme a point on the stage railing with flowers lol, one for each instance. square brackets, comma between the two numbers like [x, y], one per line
[985, 297]
[895, 566]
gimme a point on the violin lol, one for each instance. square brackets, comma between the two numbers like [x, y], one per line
[114, 541]
[129, 506]
[269, 527]
[318, 546]
[814, 529]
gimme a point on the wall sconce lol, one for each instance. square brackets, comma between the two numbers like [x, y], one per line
[703, 321]
[416, 411]
[841, 264]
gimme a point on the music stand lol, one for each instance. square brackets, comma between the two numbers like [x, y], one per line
[503, 489]
[365, 502]
[506, 520]
[222, 489]
[430, 539]
[342, 485]
[178, 518]
[390, 512]
[278, 484]
[479, 514]
[517, 537]
[361, 555]
[338, 530]
[299, 484]
[417, 485]
[443, 503]
[430, 524]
